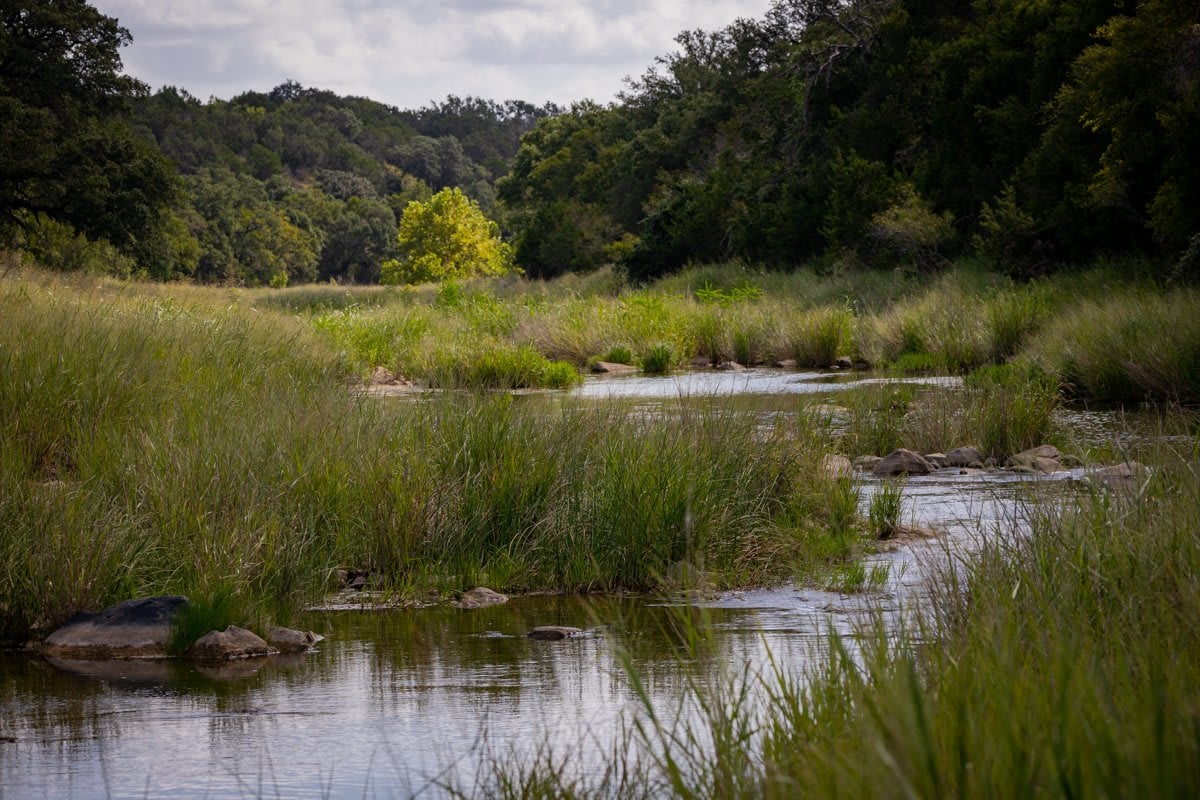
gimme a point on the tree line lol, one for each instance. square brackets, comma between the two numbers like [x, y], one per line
[1034, 133]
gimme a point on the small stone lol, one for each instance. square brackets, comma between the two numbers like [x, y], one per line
[787, 363]
[730, 366]
[553, 633]
[845, 362]
[936, 459]
[700, 362]
[1118, 474]
[611, 368]
[287, 640]
[359, 583]
[480, 597]
[231, 644]
[902, 462]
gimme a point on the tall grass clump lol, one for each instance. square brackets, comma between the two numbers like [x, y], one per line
[815, 338]
[1132, 346]
[1052, 662]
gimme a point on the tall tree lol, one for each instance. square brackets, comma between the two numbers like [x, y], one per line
[68, 151]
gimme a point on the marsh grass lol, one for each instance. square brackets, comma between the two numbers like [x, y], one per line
[883, 514]
[1057, 662]
[153, 445]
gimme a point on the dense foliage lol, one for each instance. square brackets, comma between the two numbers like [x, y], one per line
[1038, 131]
[68, 152]
[446, 237]
[874, 132]
[300, 184]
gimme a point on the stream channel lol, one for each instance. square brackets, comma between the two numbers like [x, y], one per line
[393, 704]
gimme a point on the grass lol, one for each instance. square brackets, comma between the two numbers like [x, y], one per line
[1055, 663]
[158, 444]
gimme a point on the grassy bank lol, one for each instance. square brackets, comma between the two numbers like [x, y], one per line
[1102, 333]
[156, 443]
[1056, 664]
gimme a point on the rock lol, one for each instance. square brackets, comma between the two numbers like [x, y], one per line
[844, 362]
[553, 633]
[1043, 458]
[700, 362]
[834, 467]
[610, 368]
[231, 644]
[787, 363]
[480, 597]
[902, 462]
[866, 463]
[139, 628]
[938, 460]
[1118, 474]
[964, 457]
[730, 366]
[286, 640]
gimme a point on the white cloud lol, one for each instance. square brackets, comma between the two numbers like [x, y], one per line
[408, 53]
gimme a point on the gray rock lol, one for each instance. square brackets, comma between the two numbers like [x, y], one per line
[902, 462]
[700, 362]
[610, 368]
[834, 467]
[382, 376]
[1028, 457]
[286, 640]
[866, 463]
[1118, 475]
[231, 644]
[553, 633]
[845, 362]
[480, 597]
[139, 628]
[787, 363]
[964, 457]
[730, 366]
[938, 460]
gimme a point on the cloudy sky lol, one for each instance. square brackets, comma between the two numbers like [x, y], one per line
[408, 53]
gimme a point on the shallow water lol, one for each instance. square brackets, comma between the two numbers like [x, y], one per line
[393, 704]
[758, 381]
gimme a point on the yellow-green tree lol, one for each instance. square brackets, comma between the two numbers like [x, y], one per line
[446, 237]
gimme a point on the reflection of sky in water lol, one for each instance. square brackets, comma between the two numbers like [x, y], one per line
[750, 381]
[392, 701]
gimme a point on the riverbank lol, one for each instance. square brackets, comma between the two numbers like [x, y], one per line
[168, 439]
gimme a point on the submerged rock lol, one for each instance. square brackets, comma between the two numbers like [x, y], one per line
[231, 644]
[844, 362]
[787, 363]
[480, 597]
[286, 640]
[902, 462]
[730, 366]
[139, 628]
[553, 633]
[611, 368]
[966, 456]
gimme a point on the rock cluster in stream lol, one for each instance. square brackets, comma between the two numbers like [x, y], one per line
[1041, 460]
[142, 629]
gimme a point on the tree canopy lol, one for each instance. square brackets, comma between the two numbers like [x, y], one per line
[69, 153]
[446, 237]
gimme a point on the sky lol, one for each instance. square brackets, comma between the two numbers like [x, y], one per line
[409, 53]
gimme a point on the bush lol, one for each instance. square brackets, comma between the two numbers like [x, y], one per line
[658, 358]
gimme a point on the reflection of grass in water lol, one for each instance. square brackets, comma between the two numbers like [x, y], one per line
[1054, 664]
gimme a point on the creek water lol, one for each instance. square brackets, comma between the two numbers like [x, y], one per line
[395, 704]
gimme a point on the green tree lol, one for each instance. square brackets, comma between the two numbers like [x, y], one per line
[68, 150]
[447, 237]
